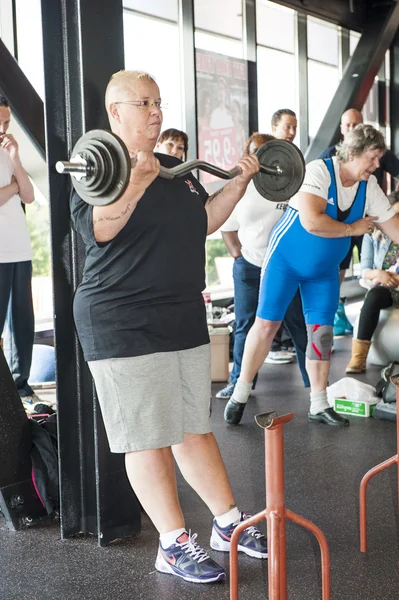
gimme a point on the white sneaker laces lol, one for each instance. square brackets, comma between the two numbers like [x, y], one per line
[193, 549]
[252, 530]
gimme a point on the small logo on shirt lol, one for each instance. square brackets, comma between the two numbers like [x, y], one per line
[281, 206]
[330, 201]
[191, 186]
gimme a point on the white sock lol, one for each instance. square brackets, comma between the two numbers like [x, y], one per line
[242, 391]
[167, 539]
[231, 516]
[318, 402]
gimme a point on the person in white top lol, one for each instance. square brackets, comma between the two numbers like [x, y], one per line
[339, 198]
[246, 234]
[15, 260]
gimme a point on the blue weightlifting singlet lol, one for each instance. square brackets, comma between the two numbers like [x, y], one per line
[296, 258]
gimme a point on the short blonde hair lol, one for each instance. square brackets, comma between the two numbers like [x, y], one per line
[135, 75]
[121, 76]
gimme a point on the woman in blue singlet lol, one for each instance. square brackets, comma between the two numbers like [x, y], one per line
[305, 249]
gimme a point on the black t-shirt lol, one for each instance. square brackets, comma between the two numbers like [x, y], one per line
[389, 163]
[141, 292]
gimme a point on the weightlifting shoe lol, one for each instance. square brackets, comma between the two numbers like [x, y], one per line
[226, 393]
[233, 412]
[329, 417]
[251, 540]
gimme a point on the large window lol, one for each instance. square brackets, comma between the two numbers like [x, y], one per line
[219, 16]
[276, 70]
[162, 65]
[322, 81]
[275, 26]
[165, 9]
[30, 42]
[276, 84]
[323, 72]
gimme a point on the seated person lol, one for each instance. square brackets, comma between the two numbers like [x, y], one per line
[173, 142]
[379, 255]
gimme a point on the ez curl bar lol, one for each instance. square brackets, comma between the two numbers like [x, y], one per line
[100, 169]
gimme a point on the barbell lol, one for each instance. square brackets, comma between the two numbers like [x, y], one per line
[100, 168]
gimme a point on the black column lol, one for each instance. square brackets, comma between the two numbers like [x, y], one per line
[394, 94]
[83, 46]
[249, 42]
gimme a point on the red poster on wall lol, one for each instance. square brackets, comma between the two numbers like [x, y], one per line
[222, 118]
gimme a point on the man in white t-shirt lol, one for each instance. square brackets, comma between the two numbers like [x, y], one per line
[15, 260]
[246, 234]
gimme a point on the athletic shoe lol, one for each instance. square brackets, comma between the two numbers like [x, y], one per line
[251, 540]
[290, 350]
[188, 560]
[279, 358]
[226, 393]
[234, 411]
[342, 324]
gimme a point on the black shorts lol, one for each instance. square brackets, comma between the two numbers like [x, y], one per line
[355, 241]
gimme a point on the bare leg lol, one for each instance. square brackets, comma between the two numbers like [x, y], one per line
[152, 476]
[318, 371]
[201, 465]
[257, 346]
[341, 276]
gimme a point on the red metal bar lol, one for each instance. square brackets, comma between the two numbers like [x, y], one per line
[377, 469]
[276, 515]
[234, 550]
[324, 551]
[274, 556]
[275, 503]
[363, 498]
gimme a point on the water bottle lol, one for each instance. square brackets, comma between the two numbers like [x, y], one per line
[208, 307]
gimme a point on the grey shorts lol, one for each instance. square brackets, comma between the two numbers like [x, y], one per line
[151, 401]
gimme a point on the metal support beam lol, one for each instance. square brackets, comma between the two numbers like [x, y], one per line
[83, 46]
[25, 102]
[394, 94]
[249, 43]
[302, 74]
[359, 74]
[188, 73]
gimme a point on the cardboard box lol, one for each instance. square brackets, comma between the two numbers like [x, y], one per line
[219, 337]
[352, 408]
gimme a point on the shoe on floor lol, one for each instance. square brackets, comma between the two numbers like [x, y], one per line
[342, 324]
[186, 559]
[226, 393]
[251, 540]
[329, 417]
[289, 349]
[233, 412]
[360, 350]
[279, 358]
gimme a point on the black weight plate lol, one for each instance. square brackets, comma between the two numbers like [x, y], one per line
[93, 156]
[114, 167]
[109, 169]
[288, 157]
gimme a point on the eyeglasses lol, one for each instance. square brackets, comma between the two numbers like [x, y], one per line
[144, 104]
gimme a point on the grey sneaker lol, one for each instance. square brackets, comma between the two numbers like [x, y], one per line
[226, 393]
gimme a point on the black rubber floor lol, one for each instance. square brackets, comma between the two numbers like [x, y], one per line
[324, 467]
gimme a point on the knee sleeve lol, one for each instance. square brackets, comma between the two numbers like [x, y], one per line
[320, 340]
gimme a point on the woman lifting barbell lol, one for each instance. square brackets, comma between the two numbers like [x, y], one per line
[305, 250]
